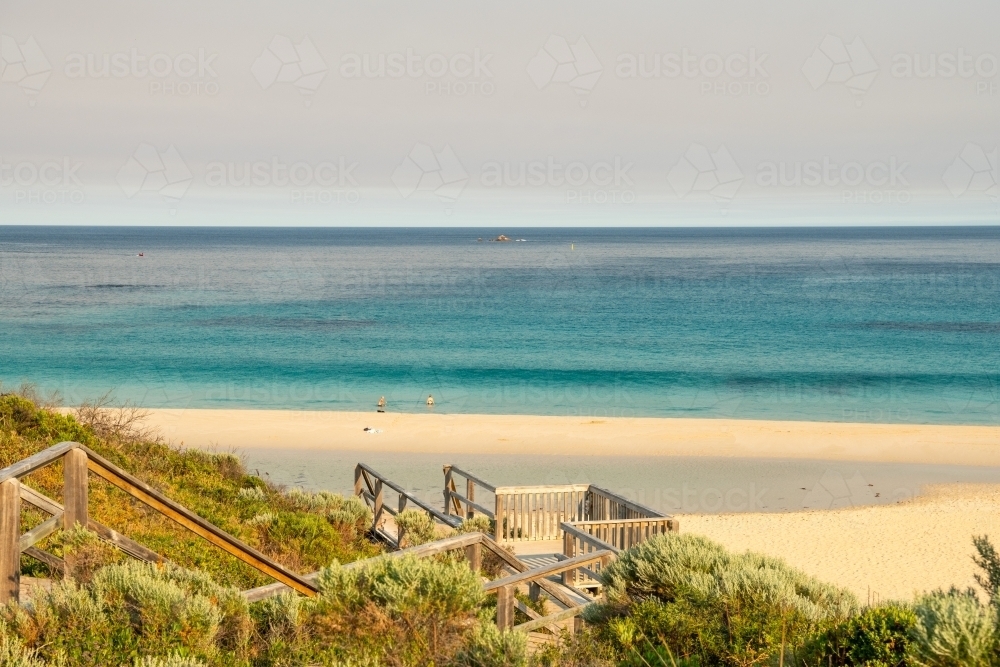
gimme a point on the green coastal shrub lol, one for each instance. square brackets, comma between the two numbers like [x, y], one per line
[953, 628]
[133, 609]
[83, 552]
[877, 637]
[405, 611]
[14, 654]
[417, 526]
[487, 646]
[989, 562]
[690, 595]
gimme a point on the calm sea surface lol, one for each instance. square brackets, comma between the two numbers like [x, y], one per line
[893, 325]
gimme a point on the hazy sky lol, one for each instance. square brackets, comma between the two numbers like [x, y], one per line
[509, 114]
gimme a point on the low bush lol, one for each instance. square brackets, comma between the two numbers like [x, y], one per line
[133, 609]
[391, 611]
[83, 553]
[689, 595]
[417, 526]
[877, 637]
[953, 628]
[487, 646]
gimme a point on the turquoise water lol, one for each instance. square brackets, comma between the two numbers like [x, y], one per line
[891, 325]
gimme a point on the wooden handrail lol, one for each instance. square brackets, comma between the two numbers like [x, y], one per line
[587, 537]
[546, 570]
[36, 461]
[598, 522]
[458, 496]
[556, 591]
[486, 485]
[544, 621]
[188, 519]
[553, 488]
[437, 514]
[40, 532]
[634, 506]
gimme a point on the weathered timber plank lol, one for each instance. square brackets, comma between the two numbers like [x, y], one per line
[547, 570]
[10, 533]
[39, 532]
[75, 488]
[552, 618]
[53, 562]
[469, 476]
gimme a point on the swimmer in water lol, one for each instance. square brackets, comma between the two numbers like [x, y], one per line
[430, 401]
[381, 404]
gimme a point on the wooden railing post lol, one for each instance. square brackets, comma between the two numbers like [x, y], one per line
[75, 489]
[10, 533]
[474, 554]
[498, 518]
[400, 531]
[569, 550]
[447, 490]
[358, 481]
[378, 502]
[674, 526]
[505, 607]
[470, 493]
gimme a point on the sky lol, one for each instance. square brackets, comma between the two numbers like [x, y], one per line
[486, 113]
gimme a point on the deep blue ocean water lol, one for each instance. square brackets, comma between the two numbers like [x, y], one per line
[851, 324]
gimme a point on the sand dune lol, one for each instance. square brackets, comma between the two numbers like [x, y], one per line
[891, 551]
[621, 436]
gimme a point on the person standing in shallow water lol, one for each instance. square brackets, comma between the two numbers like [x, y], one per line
[381, 404]
[430, 401]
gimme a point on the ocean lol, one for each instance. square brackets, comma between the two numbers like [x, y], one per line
[843, 324]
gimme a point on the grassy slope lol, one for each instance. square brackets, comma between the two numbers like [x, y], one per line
[298, 536]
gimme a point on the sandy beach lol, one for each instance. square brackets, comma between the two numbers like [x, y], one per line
[560, 435]
[890, 551]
